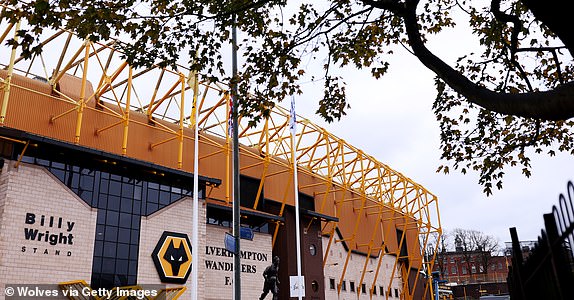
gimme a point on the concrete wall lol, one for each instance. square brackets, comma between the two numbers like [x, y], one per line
[32, 199]
[256, 257]
[174, 218]
[336, 258]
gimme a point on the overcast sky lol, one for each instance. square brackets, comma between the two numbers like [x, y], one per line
[391, 119]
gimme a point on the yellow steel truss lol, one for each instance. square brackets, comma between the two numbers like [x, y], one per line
[163, 95]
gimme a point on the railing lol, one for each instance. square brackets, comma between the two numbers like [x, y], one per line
[548, 272]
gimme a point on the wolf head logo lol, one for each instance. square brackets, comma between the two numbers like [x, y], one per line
[175, 257]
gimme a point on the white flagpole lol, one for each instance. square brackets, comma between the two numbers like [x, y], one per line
[195, 213]
[293, 127]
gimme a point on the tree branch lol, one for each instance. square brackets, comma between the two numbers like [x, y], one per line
[393, 6]
[505, 18]
[555, 104]
[557, 16]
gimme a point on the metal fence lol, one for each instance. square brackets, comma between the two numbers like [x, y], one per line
[548, 272]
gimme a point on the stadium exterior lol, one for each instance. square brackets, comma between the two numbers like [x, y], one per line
[96, 185]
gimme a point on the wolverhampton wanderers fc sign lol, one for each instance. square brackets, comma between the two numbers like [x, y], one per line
[172, 257]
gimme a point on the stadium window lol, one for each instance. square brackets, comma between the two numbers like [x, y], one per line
[344, 286]
[374, 291]
[453, 270]
[248, 192]
[363, 288]
[404, 249]
[463, 270]
[306, 202]
[396, 293]
[332, 283]
[352, 286]
[121, 200]
[381, 290]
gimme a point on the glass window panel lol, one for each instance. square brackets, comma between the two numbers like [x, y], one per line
[97, 265]
[106, 281]
[73, 180]
[86, 171]
[136, 221]
[153, 185]
[111, 233]
[174, 197]
[86, 196]
[110, 249]
[100, 232]
[102, 201]
[26, 159]
[132, 280]
[264, 228]
[124, 235]
[127, 190]
[164, 198]
[115, 188]
[98, 248]
[122, 267]
[133, 267]
[138, 192]
[87, 183]
[112, 218]
[108, 265]
[123, 251]
[152, 196]
[115, 177]
[164, 187]
[43, 162]
[126, 205]
[58, 165]
[134, 252]
[104, 185]
[151, 208]
[113, 202]
[136, 208]
[101, 216]
[135, 237]
[61, 174]
[125, 220]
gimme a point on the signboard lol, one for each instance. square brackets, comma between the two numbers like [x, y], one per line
[229, 241]
[296, 288]
[172, 257]
[246, 233]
